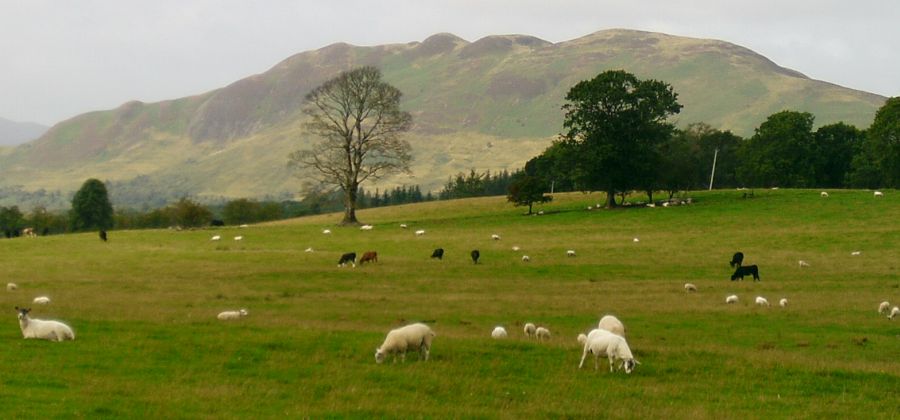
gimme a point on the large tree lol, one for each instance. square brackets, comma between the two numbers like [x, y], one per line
[615, 123]
[835, 145]
[527, 190]
[878, 162]
[358, 120]
[91, 208]
[781, 153]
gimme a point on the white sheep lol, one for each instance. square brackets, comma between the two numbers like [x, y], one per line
[803, 263]
[41, 300]
[238, 238]
[529, 329]
[11, 286]
[526, 258]
[636, 240]
[542, 333]
[731, 299]
[403, 226]
[228, 315]
[516, 248]
[415, 337]
[45, 330]
[495, 237]
[215, 238]
[308, 250]
[582, 339]
[690, 287]
[783, 302]
[420, 232]
[541, 213]
[884, 307]
[243, 226]
[761, 301]
[570, 253]
[894, 313]
[855, 253]
[879, 194]
[614, 346]
[366, 227]
[612, 324]
[823, 194]
[499, 332]
[326, 232]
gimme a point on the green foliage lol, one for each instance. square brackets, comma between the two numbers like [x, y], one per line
[781, 153]
[244, 210]
[11, 220]
[187, 213]
[878, 163]
[835, 146]
[526, 190]
[91, 208]
[476, 184]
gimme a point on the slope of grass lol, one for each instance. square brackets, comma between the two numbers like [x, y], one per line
[143, 307]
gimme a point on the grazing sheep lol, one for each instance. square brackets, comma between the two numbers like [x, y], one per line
[782, 302]
[366, 227]
[823, 194]
[529, 330]
[41, 300]
[229, 315]
[636, 240]
[612, 324]
[879, 194]
[499, 332]
[238, 238]
[215, 238]
[526, 258]
[308, 249]
[740, 272]
[614, 346]
[581, 339]
[420, 232]
[883, 308]
[11, 286]
[243, 226]
[475, 255]
[590, 207]
[327, 231]
[349, 257]
[516, 248]
[802, 263]
[370, 256]
[689, 287]
[495, 237]
[737, 259]
[541, 213]
[438, 253]
[855, 253]
[403, 226]
[542, 333]
[45, 330]
[761, 301]
[731, 299]
[894, 313]
[570, 253]
[415, 337]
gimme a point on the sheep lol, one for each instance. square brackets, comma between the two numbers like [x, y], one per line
[570, 253]
[516, 248]
[690, 287]
[529, 330]
[802, 263]
[894, 313]
[243, 226]
[238, 238]
[416, 336]
[783, 302]
[542, 333]
[635, 240]
[403, 226]
[731, 299]
[761, 301]
[526, 258]
[326, 232]
[883, 308]
[11, 286]
[495, 237]
[823, 194]
[41, 300]
[308, 250]
[499, 332]
[45, 330]
[855, 253]
[420, 232]
[879, 194]
[215, 238]
[229, 315]
[615, 348]
[366, 227]
[612, 324]
[582, 339]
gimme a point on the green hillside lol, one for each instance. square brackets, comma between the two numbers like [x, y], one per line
[143, 307]
[488, 104]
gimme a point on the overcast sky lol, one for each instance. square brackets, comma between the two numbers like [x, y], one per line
[63, 58]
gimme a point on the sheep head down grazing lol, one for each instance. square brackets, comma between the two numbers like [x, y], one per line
[414, 337]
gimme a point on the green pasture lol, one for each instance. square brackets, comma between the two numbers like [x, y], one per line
[144, 305]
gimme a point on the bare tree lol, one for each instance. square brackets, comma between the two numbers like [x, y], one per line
[358, 119]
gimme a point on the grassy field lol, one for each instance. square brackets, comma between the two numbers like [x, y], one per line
[148, 344]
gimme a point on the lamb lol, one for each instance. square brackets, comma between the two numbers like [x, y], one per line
[495, 237]
[215, 238]
[542, 333]
[582, 339]
[823, 194]
[45, 330]
[41, 300]
[570, 253]
[879, 194]
[420, 232]
[526, 258]
[229, 315]
[499, 332]
[882, 309]
[614, 346]
[529, 330]
[612, 324]
[731, 299]
[783, 302]
[802, 263]
[761, 301]
[11, 286]
[689, 287]
[894, 313]
[438, 253]
[414, 337]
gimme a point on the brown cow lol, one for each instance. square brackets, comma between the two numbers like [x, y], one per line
[370, 256]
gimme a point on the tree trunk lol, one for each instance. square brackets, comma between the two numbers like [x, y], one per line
[350, 206]
[650, 196]
[610, 199]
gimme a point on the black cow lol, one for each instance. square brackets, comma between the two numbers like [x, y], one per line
[475, 254]
[737, 259]
[438, 253]
[349, 257]
[216, 222]
[746, 271]
[103, 235]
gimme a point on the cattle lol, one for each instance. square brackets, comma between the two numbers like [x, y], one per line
[475, 255]
[438, 253]
[216, 222]
[737, 259]
[349, 257]
[370, 256]
[103, 235]
[746, 271]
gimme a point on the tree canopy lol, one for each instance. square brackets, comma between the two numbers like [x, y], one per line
[91, 208]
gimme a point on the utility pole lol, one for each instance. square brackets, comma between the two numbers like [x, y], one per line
[713, 175]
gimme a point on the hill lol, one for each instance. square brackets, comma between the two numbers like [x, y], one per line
[488, 104]
[14, 133]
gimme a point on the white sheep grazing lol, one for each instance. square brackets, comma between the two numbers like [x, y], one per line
[894, 313]
[41, 300]
[495, 237]
[243, 226]
[570, 253]
[215, 238]
[516, 248]
[366, 227]
[879, 194]
[782, 302]
[11, 286]
[542, 333]
[614, 346]
[238, 238]
[526, 258]
[689, 287]
[228, 315]
[403, 226]
[45, 330]
[326, 231]
[420, 232]
[803, 263]
[761, 301]
[582, 339]
[731, 299]
[612, 324]
[884, 307]
[499, 332]
[823, 194]
[308, 249]
[855, 253]
[529, 330]
[415, 337]
[636, 240]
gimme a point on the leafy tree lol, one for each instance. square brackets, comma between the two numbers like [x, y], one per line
[781, 153]
[241, 211]
[527, 190]
[614, 123]
[679, 164]
[357, 116]
[91, 208]
[188, 213]
[11, 220]
[835, 144]
[878, 162]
